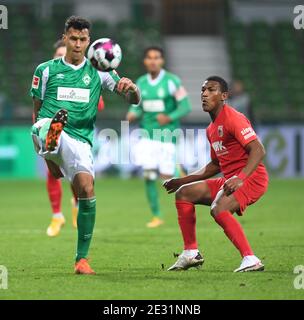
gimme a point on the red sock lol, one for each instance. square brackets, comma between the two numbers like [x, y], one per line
[234, 232]
[55, 192]
[187, 223]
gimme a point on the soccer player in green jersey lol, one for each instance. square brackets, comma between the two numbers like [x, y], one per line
[65, 95]
[164, 102]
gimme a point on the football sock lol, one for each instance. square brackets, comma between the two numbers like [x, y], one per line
[55, 192]
[187, 223]
[85, 224]
[190, 253]
[234, 232]
[58, 215]
[152, 195]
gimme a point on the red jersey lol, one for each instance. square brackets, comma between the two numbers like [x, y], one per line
[228, 135]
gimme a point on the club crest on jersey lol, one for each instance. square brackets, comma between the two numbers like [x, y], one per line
[86, 79]
[220, 131]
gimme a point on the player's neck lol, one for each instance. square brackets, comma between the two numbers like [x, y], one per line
[72, 61]
[154, 75]
[214, 114]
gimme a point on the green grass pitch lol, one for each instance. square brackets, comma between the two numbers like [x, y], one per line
[128, 257]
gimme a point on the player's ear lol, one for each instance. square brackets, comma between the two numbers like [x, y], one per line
[224, 96]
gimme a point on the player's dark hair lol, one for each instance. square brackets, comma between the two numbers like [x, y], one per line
[154, 48]
[223, 83]
[58, 44]
[77, 23]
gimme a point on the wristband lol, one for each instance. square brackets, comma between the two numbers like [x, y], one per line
[242, 175]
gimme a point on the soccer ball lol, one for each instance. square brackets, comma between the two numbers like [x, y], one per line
[105, 54]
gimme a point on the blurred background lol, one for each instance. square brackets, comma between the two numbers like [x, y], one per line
[252, 44]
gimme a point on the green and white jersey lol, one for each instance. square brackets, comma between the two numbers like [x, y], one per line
[164, 94]
[77, 89]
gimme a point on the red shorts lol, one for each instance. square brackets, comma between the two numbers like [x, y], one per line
[252, 189]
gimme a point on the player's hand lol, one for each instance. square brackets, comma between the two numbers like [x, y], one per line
[163, 119]
[172, 185]
[126, 85]
[232, 185]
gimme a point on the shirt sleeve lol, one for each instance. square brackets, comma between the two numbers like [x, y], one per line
[39, 80]
[109, 79]
[241, 128]
[180, 94]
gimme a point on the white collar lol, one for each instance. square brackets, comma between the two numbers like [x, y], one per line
[154, 82]
[72, 65]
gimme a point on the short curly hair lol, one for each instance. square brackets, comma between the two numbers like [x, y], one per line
[77, 23]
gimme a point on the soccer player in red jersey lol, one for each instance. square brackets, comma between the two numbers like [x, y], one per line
[237, 153]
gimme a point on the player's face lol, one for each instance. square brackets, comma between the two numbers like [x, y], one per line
[211, 96]
[76, 42]
[60, 52]
[153, 61]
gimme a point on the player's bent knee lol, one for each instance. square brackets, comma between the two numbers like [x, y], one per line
[86, 191]
[182, 194]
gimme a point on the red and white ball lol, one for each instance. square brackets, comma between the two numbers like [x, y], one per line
[105, 54]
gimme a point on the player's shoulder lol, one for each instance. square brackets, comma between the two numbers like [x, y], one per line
[173, 77]
[48, 64]
[234, 118]
[232, 113]
[142, 79]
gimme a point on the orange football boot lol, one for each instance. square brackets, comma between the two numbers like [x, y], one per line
[57, 124]
[82, 267]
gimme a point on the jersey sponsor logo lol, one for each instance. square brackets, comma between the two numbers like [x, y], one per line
[153, 105]
[220, 131]
[73, 94]
[35, 82]
[218, 146]
[86, 79]
[247, 133]
[59, 76]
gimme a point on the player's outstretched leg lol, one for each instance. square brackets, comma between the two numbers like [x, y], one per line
[186, 198]
[152, 196]
[56, 126]
[84, 185]
[222, 210]
[54, 189]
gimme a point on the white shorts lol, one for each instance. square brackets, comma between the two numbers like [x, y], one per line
[71, 155]
[156, 155]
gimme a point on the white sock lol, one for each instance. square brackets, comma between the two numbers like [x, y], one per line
[252, 259]
[192, 253]
[58, 215]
